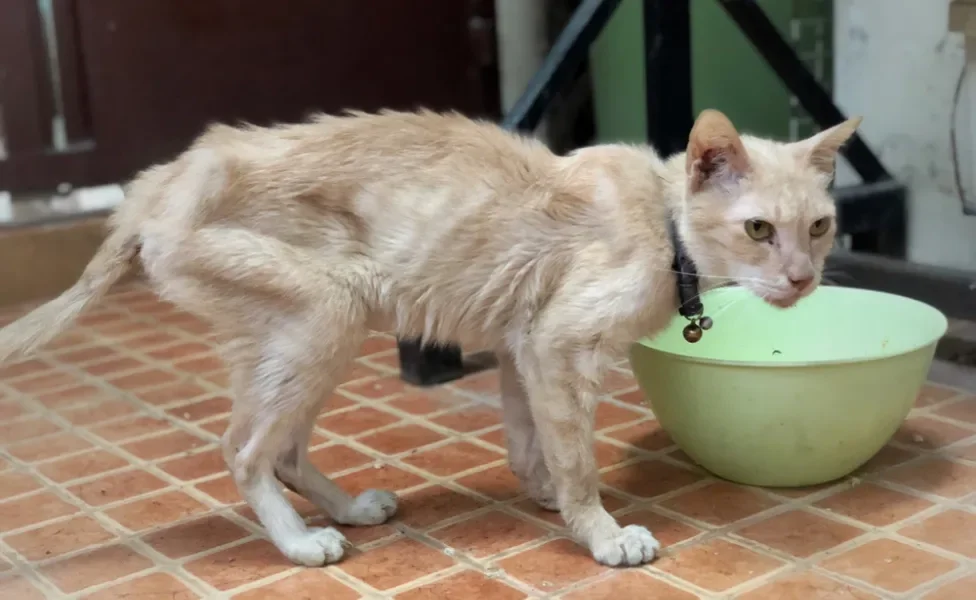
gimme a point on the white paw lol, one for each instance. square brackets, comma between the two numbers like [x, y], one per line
[632, 545]
[372, 507]
[317, 547]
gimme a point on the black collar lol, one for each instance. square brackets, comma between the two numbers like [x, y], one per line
[689, 298]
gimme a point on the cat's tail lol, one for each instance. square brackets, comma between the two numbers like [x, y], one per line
[112, 260]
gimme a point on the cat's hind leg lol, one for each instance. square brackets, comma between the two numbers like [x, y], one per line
[524, 449]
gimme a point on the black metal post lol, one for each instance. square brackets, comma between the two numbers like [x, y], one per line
[778, 53]
[560, 66]
[667, 67]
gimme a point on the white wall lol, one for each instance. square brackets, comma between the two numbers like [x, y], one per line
[897, 65]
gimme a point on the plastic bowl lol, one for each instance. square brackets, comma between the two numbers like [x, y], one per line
[795, 397]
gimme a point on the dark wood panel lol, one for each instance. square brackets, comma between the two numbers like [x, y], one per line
[159, 70]
[25, 90]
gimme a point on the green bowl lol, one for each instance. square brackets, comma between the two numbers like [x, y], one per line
[794, 397]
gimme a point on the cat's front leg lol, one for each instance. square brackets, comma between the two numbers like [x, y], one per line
[563, 412]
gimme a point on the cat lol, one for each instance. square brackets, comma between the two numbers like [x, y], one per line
[295, 241]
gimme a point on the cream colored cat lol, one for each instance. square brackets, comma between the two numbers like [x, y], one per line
[294, 241]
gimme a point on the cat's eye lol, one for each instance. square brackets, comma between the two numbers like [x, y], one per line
[759, 230]
[820, 227]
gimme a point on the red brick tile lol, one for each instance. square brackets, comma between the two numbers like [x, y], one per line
[59, 538]
[395, 564]
[70, 396]
[356, 421]
[803, 586]
[430, 505]
[10, 410]
[874, 504]
[32, 509]
[25, 368]
[158, 510]
[488, 534]
[48, 447]
[118, 486]
[887, 457]
[376, 344]
[553, 566]
[142, 379]
[470, 419]
[497, 483]
[26, 429]
[99, 412]
[666, 530]
[486, 383]
[358, 372]
[952, 530]
[961, 589]
[86, 355]
[19, 588]
[82, 465]
[649, 478]
[205, 364]
[15, 484]
[239, 565]
[221, 489]
[149, 338]
[376, 389]
[716, 565]
[203, 409]
[928, 433]
[630, 584]
[800, 533]
[611, 415]
[302, 585]
[336, 458]
[113, 365]
[719, 503]
[932, 394]
[646, 435]
[180, 351]
[44, 382]
[167, 444]
[181, 391]
[97, 566]
[132, 427]
[890, 565]
[495, 437]
[452, 458]
[196, 466]
[936, 476]
[401, 439]
[157, 586]
[385, 477]
[466, 584]
[193, 537]
[427, 402]
[963, 410]
[635, 398]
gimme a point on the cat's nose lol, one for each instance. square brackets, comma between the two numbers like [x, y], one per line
[800, 283]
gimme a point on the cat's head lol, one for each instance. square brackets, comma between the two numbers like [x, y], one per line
[757, 212]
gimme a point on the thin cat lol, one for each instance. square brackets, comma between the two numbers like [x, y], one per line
[295, 241]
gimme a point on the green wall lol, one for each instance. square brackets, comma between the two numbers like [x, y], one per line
[727, 73]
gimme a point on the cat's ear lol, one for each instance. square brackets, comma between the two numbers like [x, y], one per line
[820, 151]
[715, 152]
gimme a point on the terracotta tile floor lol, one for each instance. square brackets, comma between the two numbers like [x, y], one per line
[112, 486]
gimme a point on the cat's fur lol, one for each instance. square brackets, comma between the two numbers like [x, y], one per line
[294, 241]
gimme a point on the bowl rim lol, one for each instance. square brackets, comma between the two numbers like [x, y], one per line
[644, 342]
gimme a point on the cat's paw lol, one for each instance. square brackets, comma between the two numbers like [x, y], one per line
[627, 546]
[316, 547]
